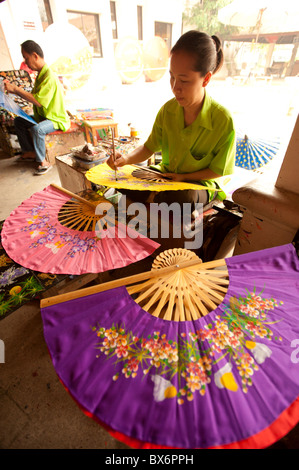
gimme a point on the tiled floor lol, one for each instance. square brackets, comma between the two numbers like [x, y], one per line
[36, 412]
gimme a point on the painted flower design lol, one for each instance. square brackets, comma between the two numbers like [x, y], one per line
[46, 234]
[224, 378]
[260, 351]
[228, 350]
[163, 388]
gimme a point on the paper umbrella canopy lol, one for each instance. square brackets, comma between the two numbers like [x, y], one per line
[55, 231]
[254, 153]
[136, 178]
[225, 379]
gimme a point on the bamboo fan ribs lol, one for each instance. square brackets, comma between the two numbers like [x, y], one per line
[185, 294]
[149, 175]
[179, 287]
[78, 215]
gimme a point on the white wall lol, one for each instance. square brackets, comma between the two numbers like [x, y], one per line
[165, 11]
[126, 12]
[5, 59]
[19, 24]
[17, 15]
[101, 8]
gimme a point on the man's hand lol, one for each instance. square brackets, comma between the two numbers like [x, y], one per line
[9, 87]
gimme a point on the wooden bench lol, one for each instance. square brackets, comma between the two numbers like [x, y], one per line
[60, 142]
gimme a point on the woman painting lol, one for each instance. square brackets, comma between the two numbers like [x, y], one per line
[193, 132]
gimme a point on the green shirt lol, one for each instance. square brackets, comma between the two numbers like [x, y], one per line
[209, 142]
[48, 92]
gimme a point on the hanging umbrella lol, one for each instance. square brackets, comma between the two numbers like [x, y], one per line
[265, 16]
[69, 53]
[129, 59]
[155, 58]
[254, 153]
[222, 376]
[56, 231]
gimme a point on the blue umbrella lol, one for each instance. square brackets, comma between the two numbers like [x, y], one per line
[253, 154]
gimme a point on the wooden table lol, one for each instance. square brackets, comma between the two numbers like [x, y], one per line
[73, 177]
[93, 125]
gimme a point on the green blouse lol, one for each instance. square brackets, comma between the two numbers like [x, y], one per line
[209, 142]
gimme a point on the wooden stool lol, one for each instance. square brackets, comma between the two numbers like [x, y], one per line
[95, 124]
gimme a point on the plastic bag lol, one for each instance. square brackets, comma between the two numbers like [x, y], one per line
[11, 106]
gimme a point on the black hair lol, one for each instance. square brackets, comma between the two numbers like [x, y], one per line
[206, 49]
[31, 46]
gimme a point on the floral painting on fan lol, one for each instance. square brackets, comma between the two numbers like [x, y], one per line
[19, 285]
[226, 379]
[102, 174]
[230, 341]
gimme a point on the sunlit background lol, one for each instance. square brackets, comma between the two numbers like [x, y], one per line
[115, 54]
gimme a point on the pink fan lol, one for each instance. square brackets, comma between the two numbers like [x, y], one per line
[56, 231]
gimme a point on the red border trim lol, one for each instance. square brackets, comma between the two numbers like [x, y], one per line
[268, 436]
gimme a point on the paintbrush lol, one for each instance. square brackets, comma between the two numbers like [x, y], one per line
[113, 150]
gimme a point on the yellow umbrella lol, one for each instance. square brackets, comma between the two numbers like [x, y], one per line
[103, 175]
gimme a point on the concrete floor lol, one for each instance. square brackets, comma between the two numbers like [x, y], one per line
[36, 412]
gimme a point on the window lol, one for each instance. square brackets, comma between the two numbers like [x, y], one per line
[45, 13]
[89, 24]
[164, 30]
[113, 20]
[139, 22]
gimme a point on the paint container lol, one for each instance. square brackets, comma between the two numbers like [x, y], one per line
[134, 132]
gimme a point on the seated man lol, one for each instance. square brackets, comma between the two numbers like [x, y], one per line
[49, 111]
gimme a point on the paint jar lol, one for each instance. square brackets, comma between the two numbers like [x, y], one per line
[134, 132]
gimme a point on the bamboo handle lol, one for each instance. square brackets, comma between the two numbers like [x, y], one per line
[157, 273]
[113, 150]
[79, 198]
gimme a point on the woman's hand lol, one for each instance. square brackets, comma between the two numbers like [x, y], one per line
[120, 160]
[140, 154]
[174, 176]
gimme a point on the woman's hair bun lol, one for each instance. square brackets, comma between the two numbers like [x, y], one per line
[219, 53]
[217, 42]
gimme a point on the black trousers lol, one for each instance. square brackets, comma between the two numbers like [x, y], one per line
[190, 196]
